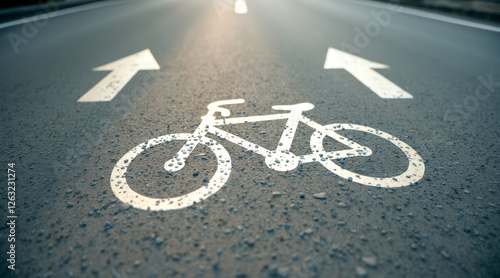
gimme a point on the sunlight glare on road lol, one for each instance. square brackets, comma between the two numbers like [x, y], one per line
[240, 7]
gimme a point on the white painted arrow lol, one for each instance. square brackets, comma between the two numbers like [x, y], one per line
[362, 69]
[122, 71]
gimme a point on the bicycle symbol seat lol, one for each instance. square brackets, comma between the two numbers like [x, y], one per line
[280, 159]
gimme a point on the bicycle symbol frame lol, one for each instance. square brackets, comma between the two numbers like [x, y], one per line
[280, 159]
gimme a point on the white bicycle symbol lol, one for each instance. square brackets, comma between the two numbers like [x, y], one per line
[280, 159]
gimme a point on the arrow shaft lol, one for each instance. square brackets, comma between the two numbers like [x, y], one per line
[380, 85]
[109, 86]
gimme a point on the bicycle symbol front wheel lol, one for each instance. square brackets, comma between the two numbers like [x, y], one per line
[127, 195]
[413, 173]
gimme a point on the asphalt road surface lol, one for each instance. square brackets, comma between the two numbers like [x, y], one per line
[441, 218]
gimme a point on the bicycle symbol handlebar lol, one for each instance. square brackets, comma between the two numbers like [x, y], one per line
[214, 107]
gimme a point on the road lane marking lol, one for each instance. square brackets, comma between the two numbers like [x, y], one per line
[280, 159]
[122, 70]
[240, 7]
[429, 15]
[72, 10]
[362, 69]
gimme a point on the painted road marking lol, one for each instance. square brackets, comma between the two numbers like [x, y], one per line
[429, 15]
[57, 12]
[122, 71]
[240, 7]
[362, 69]
[280, 159]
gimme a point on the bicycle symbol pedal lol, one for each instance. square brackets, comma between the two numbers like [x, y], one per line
[280, 159]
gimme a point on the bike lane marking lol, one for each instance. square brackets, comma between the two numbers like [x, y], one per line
[122, 70]
[362, 69]
[279, 159]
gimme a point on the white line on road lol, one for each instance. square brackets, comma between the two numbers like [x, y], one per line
[122, 71]
[429, 15]
[45, 16]
[240, 7]
[362, 69]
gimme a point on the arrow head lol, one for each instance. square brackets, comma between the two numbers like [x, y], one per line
[336, 59]
[362, 69]
[143, 60]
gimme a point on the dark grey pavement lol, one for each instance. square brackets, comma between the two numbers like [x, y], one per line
[70, 223]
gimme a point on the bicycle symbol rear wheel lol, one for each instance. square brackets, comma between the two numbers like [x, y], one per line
[127, 195]
[413, 173]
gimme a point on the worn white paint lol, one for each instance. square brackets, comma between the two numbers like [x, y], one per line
[362, 69]
[122, 71]
[280, 159]
[414, 172]
[127, 195]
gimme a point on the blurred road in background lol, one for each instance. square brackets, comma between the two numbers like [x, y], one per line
[83, 87]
